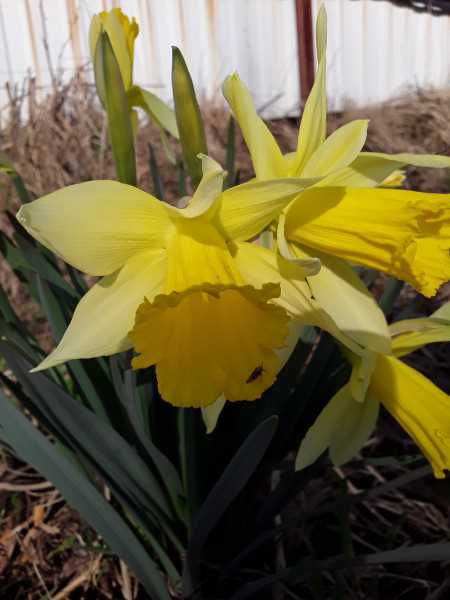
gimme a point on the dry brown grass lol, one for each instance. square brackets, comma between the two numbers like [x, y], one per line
[64, 139]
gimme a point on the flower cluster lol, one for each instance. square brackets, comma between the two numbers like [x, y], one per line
[195, 292]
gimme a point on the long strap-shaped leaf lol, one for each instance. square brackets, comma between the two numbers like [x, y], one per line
[33, 447]
[113, 458]
[232, 481]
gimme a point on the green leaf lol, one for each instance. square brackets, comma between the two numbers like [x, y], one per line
[232, 481]
[230, 155]
[392, 290]
[110, 85]
[58, 315]
[419, 553]
[108, 453]
[25, 257]
[137, 410]
[188, 116]
[156, 109]
[8, 168]
[158, 186]
[38, 451]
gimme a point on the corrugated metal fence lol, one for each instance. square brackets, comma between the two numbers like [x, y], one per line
[375, 50]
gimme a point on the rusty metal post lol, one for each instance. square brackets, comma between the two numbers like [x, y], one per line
[305, 41]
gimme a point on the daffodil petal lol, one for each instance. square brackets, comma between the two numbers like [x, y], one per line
[211, 413]
[403, 233]
[119, 42]
[371, 169]
[395, 179]
[266, 156]
[310, 265]
[443, 312]
[338, 151]
[258, 265]
[95, 29]
[206, 195]
[247, 209]
[408, 342]
[363, 368]
[364, 172]
[343, 296]
[343, 426]
[434, 161]
[415, 325]
[319, 437]
[313, 125]
[198, 255]
[209, 341]
[354, 431]
[106, 314]
[98, 225]
[421, 408]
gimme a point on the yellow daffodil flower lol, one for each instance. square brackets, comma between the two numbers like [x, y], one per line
[180, 286]
[338, 218]
[121, 33]
[420, 407]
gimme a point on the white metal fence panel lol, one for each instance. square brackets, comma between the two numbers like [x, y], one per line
[376, 49]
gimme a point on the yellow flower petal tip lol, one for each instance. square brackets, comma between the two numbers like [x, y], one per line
[211, 340]
[421, 408]
[122, 33]
[395, 179]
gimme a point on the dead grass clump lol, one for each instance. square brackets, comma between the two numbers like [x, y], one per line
[418, 122]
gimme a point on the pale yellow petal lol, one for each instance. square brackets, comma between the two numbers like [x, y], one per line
[211, 413]
[420, 407]
[342, 295]
[119, 42]
[95, 29]
[266, 156]
[105, 315]
[205, 200]
[364, 172]
[313, 125]
[422, 332]
[435, 161]
[371, 169]
[247, 209]
[363, 367]
[443, 312]
[310, 265]
[98, 225]
[343, 427]
[319, 437]
[198, 255]
[395, 179]
[405, 234]
[354, 431]
[339, 150]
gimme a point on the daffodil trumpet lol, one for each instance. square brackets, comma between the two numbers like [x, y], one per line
[421, 408]
[180, 286]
